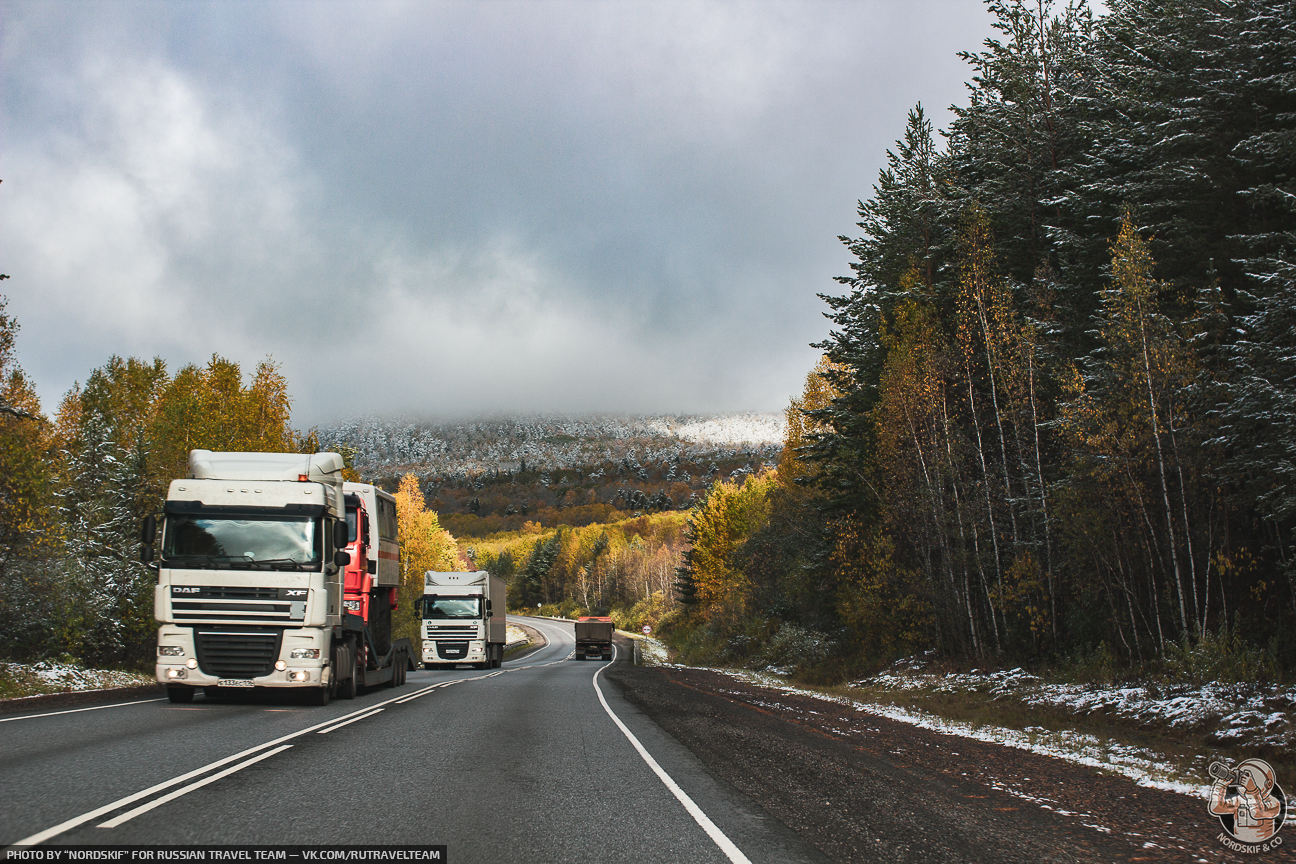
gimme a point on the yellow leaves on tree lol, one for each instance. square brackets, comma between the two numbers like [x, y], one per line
[912, 416]
[425, 545]
[729, 515]
[25, 451]
[209, 408]
[882, 603]
[1126, 417]
[819, 392]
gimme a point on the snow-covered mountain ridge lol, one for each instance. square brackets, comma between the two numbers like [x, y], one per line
[549, 442]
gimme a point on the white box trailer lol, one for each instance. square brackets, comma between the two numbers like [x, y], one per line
[251, 556]
[463, 619]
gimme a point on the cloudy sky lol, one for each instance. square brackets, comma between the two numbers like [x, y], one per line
[447, 208]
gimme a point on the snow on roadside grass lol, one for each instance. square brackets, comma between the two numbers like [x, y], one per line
[1140, 765]
[1251, 714]
[653, 652]
[32, 679]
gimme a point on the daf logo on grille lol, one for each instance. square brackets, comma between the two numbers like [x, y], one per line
[178, 589]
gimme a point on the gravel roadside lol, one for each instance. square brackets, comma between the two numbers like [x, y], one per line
[864, 788]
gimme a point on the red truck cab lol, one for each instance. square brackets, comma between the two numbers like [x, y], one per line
[360, 595]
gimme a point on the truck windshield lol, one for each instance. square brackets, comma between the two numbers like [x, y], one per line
[237, 541]
[451, 607]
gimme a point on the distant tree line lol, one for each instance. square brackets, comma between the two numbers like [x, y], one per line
[1055, 415]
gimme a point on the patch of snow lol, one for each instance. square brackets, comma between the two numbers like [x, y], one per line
[652, 652]
[1251, 714]
[1140, 765]
[54, 677]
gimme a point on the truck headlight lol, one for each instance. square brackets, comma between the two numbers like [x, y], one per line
[170, 651]
[304, 654]
[192, 663]
[177, 673]
[280, 665]
[298, 676]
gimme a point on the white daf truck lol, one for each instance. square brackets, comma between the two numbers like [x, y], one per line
[252, 587]
[463, 619]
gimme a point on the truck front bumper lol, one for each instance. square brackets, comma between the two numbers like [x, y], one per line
[454, 652]
[180, 664]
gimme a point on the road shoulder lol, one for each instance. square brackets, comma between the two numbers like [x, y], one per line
[78, 697]
[861, 788]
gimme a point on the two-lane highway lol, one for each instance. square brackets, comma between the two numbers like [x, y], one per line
[541, 760]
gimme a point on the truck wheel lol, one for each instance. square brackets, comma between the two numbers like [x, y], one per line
[347, 688]
[179, 693]
[319, 697]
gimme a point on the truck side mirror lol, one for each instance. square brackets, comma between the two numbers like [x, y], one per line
[418, 610]
[341, 558]
[146, 553]
[340, 534]
[148, 531]
[488, 606]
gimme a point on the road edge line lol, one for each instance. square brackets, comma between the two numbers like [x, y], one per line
[712, 830]
[75, 710]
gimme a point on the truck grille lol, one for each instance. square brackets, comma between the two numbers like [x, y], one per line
[237, 653]
[238, 592]
[236, 603]
[453, 631]
[204, 610]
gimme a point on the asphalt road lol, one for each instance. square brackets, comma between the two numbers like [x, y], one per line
[524, 763]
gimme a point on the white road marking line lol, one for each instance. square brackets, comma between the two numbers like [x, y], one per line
[42, 836]
[348, 722]
[185, 790]
[726, 845]
[75, 710]
[423, 692]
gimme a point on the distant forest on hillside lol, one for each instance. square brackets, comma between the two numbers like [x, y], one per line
[488, 476]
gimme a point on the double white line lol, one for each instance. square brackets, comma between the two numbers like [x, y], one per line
[326, 726]
[261, 751]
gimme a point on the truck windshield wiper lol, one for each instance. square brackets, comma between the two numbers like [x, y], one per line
[213, 562]
[275, 563]
[204, 561]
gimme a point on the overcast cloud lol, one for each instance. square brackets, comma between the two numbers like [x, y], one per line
[453, 208]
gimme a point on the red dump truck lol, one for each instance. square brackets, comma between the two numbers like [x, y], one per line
[594, 638]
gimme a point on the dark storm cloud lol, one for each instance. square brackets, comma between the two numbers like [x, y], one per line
[454, 207]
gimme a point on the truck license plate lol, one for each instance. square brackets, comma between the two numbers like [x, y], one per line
[233, 682]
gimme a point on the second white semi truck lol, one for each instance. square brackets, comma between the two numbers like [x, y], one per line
[463, 619]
